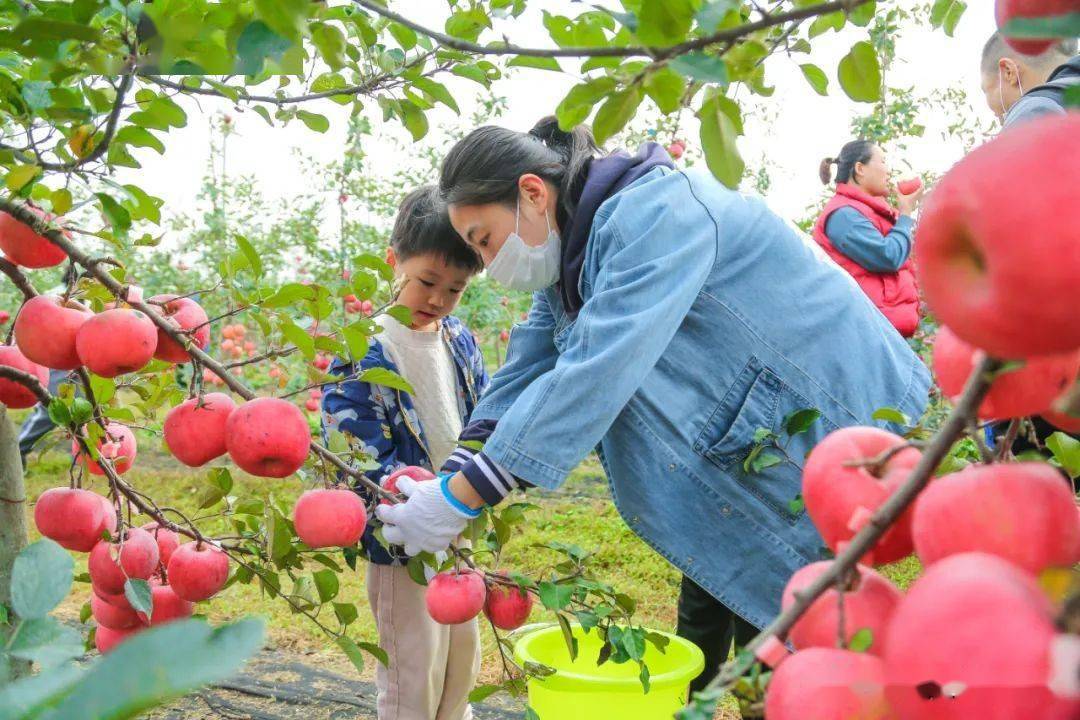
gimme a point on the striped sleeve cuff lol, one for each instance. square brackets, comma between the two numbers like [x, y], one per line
[490, 480]
[458, 459]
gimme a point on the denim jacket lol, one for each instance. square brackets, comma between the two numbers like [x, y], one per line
[381, 423]
[705, 318]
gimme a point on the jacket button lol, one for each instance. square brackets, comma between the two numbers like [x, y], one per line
[671, 467]
[725, 510]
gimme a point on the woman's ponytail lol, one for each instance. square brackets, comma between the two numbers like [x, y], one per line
[856, 151]
[485, 165]
[825, 170]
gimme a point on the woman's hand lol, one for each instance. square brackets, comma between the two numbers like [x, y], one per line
[429, 520]
[909, 203]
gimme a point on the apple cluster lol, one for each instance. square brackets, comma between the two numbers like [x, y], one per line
[975, 637]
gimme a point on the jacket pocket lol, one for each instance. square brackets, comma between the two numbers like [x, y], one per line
[750, 420]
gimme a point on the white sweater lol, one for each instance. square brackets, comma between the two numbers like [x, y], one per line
[424, 360]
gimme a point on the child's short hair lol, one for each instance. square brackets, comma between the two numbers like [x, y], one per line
[422, 227]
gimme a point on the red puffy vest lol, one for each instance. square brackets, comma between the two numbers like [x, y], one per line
[895, 294]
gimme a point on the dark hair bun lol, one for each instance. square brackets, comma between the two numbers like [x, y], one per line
[825, 170]
[547, 131]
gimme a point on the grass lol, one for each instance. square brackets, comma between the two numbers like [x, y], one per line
[580, 513]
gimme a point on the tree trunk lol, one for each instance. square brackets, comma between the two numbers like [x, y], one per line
[13, 508]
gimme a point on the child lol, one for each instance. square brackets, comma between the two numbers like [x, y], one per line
[432, 667]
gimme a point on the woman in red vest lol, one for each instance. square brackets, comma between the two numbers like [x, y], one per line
[868, 237]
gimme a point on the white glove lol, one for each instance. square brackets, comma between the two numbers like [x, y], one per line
[429, 520]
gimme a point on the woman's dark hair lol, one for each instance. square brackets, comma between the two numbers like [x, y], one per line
[422, 227]
[856, 151]
[484, 166]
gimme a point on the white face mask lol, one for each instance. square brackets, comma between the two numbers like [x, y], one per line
[527, 267]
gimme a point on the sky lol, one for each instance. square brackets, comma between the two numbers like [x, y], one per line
[794, 131]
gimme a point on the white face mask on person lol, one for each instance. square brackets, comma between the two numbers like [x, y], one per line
[527, 267]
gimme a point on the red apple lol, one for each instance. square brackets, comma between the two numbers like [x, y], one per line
[869, 604]
[74, 518]
[415, 472]
[116, 341]
[118, 446]
[367, 307]
[1026, 390]
[676, 149]
[1023, 512]
[268, 437]
[105, 639]
[25, 247]
[168, 606]
[329, 518]
[349, 298]
[239, 331]
[167, 541]
[118, 600]
[209, 376]
[195, 433]
[321, 362]
[1011, 299]
[112, 616]
[1006, 10]
[46, 328]
[311, 405]
[506, 606]
[198, 571]
[840, 496]
[909, 186]
[1068, 423]
[504, 335]
[138, 558]
[828, 684]
[275, 372]
[455, 596]
[249, 347]
[227, 333]
[972, 640]
[13, 394]
[4, 316]
[185, 314]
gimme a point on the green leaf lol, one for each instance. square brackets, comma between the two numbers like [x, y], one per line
[539, 63]
[1066, 450]
[947, 13]
[326, 583]
[718, 136]
[862, 640]
[218, 484]
[61, 201]
[664, 22]
[386, 378]
[816, 77]
[405, 36]
[702, 67]
[483, 692]
[437, 91]
[21, 176]
[352, 651]
[829, 21]
[137, 592]
[666, 88]
[644, 677]
[401, 313]
[467, 24]
[356, 341]
[578, 103]
[139, 137]
[891, 415]
[555, 597]
[415, 568]
[252, 256]
[860, 73]
[47, 642]
[765, 460]
[314, 121]
[376, 652]
[797, 505]
[257, 42]
[615, 113]
[41, 28]
[58, 412]
[346, 613]
[800, 421]
[568, 636]
[155, 665]
[1072, 97]
[298, 337]
[40, 579]
[290, 294]
[863, 14]
[81, 411]
[414, 119]
[330, 42]
[104, 388]
[284, 17]
[712, 14]
[117, 216]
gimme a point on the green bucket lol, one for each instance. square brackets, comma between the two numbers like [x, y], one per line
[582, 690]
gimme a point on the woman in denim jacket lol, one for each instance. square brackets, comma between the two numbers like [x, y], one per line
[672, 320]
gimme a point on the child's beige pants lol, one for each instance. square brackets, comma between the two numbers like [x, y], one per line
[433, 667]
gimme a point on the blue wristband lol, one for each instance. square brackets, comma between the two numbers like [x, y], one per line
[444, 484]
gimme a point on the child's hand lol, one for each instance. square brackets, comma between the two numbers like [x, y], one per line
[429, 520]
